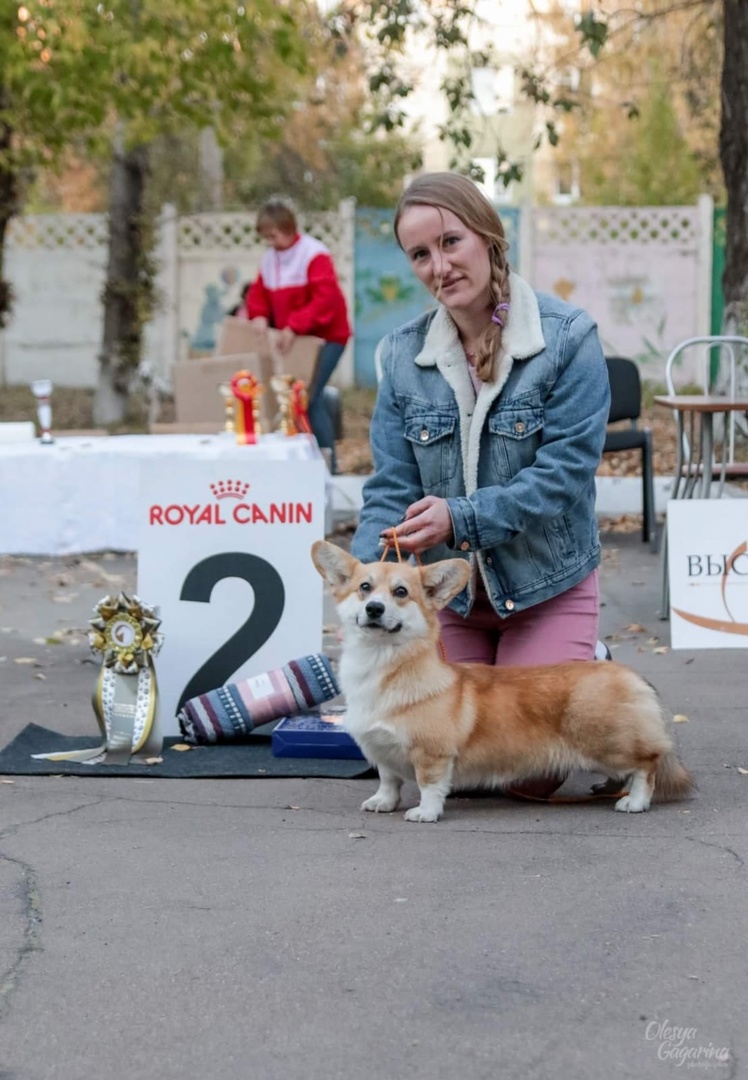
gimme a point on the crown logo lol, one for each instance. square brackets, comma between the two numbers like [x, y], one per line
[230, 489]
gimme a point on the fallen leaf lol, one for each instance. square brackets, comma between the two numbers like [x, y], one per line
[40, 675]
[652, 640]
[635, 628]
[4, 781]
[661, 650]
[289, 807]
[25, 660]
[356, 836]
[180, 746]
[679, 718]
[152, 760]
[743, 772]
[66, 598]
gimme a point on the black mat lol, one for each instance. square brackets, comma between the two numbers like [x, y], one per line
[250, 758]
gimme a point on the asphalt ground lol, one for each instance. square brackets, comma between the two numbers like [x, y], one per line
[215, 929]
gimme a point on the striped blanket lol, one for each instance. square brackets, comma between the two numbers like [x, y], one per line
[232, 711]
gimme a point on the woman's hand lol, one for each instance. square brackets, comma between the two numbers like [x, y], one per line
[259, 322]
[284, 341]
[426, 523]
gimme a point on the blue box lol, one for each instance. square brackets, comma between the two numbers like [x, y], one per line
[314, 735]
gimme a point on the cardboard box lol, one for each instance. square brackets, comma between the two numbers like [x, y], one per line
[237, 337]
[314, 735]
[196, 381]
[197, 397]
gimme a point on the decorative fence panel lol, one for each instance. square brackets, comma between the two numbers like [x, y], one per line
[57, 266]
[639, 271]
[644, 273]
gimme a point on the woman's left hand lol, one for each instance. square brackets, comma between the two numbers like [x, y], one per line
[426, 523]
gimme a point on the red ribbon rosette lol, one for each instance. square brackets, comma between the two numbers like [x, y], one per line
[246, 389]
[299, 404]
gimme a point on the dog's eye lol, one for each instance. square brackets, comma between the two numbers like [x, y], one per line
[400, 592]
[364, 587]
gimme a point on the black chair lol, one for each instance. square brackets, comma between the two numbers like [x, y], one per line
[626, 404]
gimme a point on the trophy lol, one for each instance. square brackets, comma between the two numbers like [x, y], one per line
[42, 389]
[227, 395]
[281, 386]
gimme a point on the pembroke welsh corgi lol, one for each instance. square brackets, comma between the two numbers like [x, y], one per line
[452, 726]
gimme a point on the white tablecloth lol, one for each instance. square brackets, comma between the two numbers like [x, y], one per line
[80, 494]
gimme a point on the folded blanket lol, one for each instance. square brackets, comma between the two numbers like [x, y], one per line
[232, 711]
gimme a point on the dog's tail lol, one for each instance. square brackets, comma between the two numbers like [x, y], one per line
[672, 779]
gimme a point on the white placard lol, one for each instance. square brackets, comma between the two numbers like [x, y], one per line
[708, 567]
[224, 554]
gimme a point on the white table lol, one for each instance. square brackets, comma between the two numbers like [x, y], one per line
[80, 493]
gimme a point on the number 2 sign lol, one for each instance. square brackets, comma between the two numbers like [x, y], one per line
[224, 555]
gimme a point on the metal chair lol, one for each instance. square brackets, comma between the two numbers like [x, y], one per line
[714, 380]
[626, 404]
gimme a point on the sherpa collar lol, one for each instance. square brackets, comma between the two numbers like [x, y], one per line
[521, 339]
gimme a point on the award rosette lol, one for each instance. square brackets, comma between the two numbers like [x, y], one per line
[299, 406]
[125, 633]
[246, 389]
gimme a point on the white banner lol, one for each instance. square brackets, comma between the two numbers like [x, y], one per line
[224, 554]
[708, 566]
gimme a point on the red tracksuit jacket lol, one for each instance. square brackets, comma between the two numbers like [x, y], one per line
[299, 288]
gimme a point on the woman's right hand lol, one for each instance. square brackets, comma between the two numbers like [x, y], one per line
[260, 323]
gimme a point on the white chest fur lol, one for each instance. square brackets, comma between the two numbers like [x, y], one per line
[369, 710]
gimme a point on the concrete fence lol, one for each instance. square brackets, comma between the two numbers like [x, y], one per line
[644, 273]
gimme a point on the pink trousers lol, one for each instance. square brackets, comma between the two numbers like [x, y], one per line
[563, 628]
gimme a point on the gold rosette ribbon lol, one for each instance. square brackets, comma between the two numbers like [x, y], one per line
[246, 389]
[299, 406]
[125, 634]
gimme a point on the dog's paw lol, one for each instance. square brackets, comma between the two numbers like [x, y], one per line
[630, 804]
[379, 804]
[417, 813]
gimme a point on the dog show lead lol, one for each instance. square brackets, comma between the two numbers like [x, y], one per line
[487, 433]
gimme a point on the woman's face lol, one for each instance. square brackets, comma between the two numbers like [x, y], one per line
[276, 238]
[450, 259]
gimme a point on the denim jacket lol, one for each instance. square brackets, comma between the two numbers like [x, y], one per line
[516, 464]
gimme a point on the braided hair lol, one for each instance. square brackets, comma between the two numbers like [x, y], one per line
[449, 191]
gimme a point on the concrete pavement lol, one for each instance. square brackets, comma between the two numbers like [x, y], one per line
[213, 930]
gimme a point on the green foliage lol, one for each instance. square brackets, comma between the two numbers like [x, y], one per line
[645, 161]
[156, 64]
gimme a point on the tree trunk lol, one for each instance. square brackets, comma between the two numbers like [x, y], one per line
[128, 292]
[8, 205]
[733, 148]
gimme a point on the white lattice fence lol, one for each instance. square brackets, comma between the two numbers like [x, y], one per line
[642, 272]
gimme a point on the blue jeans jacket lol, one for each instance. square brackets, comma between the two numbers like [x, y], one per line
[516, 464]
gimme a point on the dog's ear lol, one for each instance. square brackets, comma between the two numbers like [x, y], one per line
[335, 565]
[443, 580]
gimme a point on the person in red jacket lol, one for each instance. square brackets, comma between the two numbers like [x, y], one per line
[297, 292]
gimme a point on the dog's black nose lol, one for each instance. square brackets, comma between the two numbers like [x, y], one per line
[375, 609]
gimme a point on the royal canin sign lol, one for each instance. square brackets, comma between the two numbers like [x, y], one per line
[238, 511]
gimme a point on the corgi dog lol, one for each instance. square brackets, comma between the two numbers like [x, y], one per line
[452, 726]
